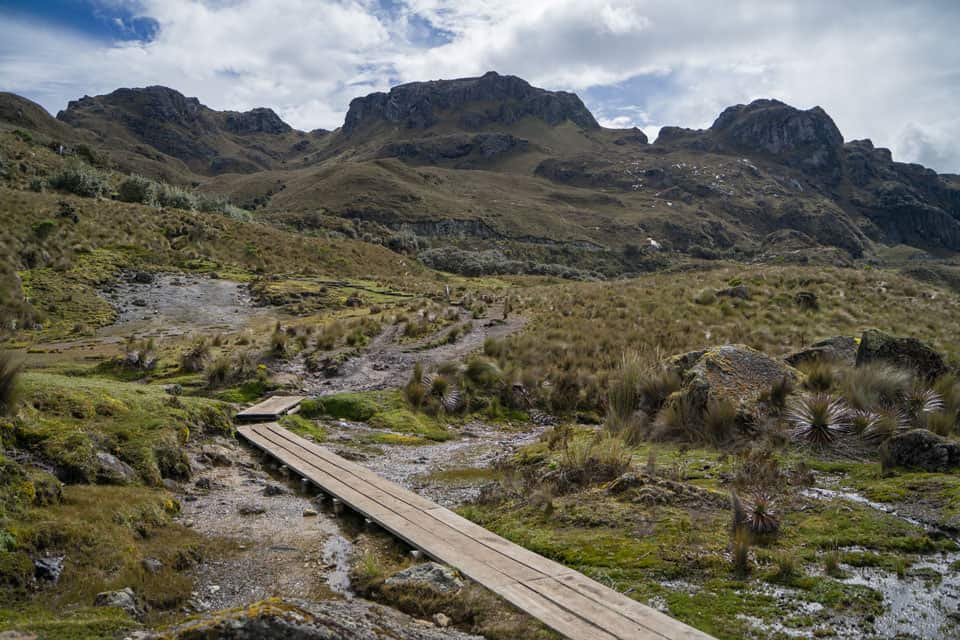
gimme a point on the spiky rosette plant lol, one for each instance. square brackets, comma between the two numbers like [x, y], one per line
[759, 514]
[446, 392]
[818, 420]
[886, 423]
[921, 402]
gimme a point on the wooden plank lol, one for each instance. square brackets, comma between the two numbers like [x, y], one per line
[533, 560]
[648, 616]
[566, 601]
[594, 612]
[352, 469]
[560, 620]
[271, 408]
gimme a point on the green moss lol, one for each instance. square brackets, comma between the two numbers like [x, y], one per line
[359, 407]
[250, 391]
[401, 439]
[405, 421]
[304, 427]
[68, 419]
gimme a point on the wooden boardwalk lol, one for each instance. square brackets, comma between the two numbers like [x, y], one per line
[563, 599]
[271, 409]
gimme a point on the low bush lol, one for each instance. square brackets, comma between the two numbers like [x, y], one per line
[80, 179]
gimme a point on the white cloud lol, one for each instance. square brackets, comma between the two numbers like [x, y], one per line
[884, 70]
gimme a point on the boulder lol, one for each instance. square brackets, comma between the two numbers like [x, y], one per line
[123, 599]
[430, 575]
[922, 449]
[732, 372]
[838, 349]
[276, 619]
[142, 277]
[907, 353]
[216, 455]
[48, 568]
[152, 565]
[112, 470]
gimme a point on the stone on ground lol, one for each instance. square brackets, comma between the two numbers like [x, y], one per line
[907, 353]
[922, 449]
[431, 575]
[836, 350]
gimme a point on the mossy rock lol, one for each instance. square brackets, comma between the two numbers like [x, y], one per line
[732, 373]
[405, 421]
[907, 353]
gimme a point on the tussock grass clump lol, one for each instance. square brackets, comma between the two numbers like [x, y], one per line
[819, 420]
[875, 385]
[740, 552]
[623, 397]
[820, 376]
[589, 461]
[720, 421]
[195, 358]
[786, 567]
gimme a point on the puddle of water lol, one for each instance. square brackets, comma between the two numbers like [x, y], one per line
[918, 605]
[337, 552]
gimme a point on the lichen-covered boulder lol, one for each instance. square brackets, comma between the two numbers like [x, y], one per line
[112, 470]
[838, 349]
[429, 575]
[277, 619]
[922, 449]
[733, 372]
[124, 599]
[908, 353]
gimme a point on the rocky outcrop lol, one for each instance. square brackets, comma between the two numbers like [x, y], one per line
[808, 140]
[259, 120]
[123, 599]
[734, 373]
[921, 449]
[907, 353]
[427, 575]
[838, 349]
[112, 470]
[475, 102]
[276, 619]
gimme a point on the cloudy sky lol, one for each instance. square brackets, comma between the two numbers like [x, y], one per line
[886, 70]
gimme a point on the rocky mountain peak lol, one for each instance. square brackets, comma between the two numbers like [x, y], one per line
[474, 102]
[160, 104]
[259, 120]
[808, 139]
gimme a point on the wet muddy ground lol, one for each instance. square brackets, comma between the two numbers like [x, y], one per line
[279, 542]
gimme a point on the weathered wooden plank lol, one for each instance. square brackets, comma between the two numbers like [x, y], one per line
[566, 601]
[557, 618]
[352, 469]
[271, 408]
[630, 608]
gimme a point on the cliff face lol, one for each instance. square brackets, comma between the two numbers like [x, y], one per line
[477, 103]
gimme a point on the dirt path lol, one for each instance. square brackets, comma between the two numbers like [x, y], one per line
[386, 363]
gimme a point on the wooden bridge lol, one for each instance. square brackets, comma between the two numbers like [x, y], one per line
[563, 599]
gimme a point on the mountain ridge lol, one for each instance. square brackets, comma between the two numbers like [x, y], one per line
[528, 171]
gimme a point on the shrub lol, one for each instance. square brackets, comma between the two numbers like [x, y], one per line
[176, 197]
[44, 228]
[9, 371]
[818, 420]
[136, 188]
[81, 180]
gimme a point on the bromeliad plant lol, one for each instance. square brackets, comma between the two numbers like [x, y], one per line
[818, 420]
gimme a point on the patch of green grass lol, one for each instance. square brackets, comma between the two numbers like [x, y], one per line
[304, 427]
[66, 420]
[399, 439]
[405, 421]
[359, 407]
[465, 475]
[249, 391]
